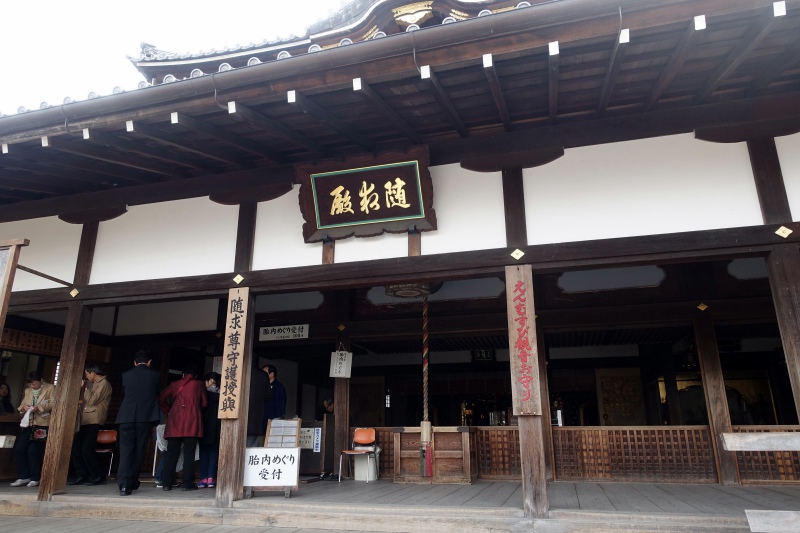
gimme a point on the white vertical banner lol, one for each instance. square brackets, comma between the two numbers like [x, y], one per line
[341, 364]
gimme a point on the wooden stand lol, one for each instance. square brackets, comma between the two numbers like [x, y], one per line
[454, 455]
[281, 434]
[318, 462]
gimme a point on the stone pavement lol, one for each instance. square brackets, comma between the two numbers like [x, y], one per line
[27, 524]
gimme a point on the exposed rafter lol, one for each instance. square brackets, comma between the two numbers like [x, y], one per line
[673, 66]
[240, 112]
[170, 139]
[781, 64]
[92, 152]
[134, 147]
[552, 80]
[614, 64]
[231, 139]
[746, 44]
[360, 86]
[444, 102]
[307, 106]
[497, 91]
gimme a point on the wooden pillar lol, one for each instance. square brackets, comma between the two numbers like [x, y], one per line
[769, 180]
[341, 413]
[9, 254]
[514, 206]
[525, 388]
[64, 413]
[783, 265]
[245, 237]
[716, 401]
[233, 431]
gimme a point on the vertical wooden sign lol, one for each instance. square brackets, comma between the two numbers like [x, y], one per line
[236, 334]
[9, 254]
[522, 345]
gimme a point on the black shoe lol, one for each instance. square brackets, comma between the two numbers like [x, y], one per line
[96, 481]
[190, 487]
[123, 491]
[80, 480]
[166, 488]
[136, 485]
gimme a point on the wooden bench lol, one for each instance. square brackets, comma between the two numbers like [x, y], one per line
[766, 521]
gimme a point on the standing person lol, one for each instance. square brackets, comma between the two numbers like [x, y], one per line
[326, 408]
[5, 397]
[184, 401]
[260, 393]
[29, 446]
[136, 418]
[94, 409]
[209, 443]
[275, 407]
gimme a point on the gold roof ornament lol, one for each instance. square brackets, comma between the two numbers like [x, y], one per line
[784, 232]
[415, 13]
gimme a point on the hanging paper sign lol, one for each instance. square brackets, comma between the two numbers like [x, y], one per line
[271, 467]
[311, 439]
[341, 364]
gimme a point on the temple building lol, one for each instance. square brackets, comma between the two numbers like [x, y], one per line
[552, 240]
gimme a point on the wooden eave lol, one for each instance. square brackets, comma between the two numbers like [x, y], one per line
[670, 79]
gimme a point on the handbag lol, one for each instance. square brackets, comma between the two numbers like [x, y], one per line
[39, 433]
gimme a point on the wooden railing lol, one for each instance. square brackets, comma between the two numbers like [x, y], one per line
[763, 467]
[652, 453]
[498, 453]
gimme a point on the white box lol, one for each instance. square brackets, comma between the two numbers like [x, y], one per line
[7, 441]
[361, 470]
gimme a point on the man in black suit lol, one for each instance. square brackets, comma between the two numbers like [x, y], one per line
[136, 418]
[259, 394]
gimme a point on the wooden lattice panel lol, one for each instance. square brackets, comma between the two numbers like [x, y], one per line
[761, 467]
[23, 341]
[663, 454]
[498, 453]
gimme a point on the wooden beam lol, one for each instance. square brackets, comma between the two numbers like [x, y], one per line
[552, 81]
[786, 61]
[328, 252]
[760, 29]
[547, 415]
[716, 400]
[44, 168]
[745, 131]
[231, 139]
[535, 157]
[9, 255]
[614, 64]
[547, 258]
[140, 149]
[362, 87]
[106, 156]
[783, 266]
[233, 431]
[145, 194]
[62, 418]
[673, 66]
[98, 214]
[180, 141]
[245, 237]
[770, 186]
[238, 111]
[444, 101]
[307, 106]
[26, 189]
[514, 208]
[497, 91]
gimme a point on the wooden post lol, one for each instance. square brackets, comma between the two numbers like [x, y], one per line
[768, 178]
[525, 388]
[514, 204]
[547, 415]
[341, 413]
[783, 265]
[233, 432]
[64, 413]
[716, 401]
[9, 254]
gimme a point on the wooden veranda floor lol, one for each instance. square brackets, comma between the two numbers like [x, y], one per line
[386, 506]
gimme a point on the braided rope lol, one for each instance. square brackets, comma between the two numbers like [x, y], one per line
[425, 358]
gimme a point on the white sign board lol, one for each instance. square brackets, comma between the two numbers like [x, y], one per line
[341, 364]
[281, 333]
[311, 439]
[271, 467]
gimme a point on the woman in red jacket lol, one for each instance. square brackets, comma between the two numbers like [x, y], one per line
[184, 401]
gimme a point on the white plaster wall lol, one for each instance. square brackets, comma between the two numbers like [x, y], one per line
[167, 317]
[53, 250]
[383, 246]
[164, 240]
[644, 187]
[279, 235]
[789, 155]
[469, 211]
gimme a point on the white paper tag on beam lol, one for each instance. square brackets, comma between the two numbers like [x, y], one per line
[341, 364]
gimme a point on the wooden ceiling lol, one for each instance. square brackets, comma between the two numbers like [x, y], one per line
[739, 76]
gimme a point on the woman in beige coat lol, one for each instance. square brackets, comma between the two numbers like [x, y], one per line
[38, 399]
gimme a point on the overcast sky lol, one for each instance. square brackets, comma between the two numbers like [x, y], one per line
[51, 49]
